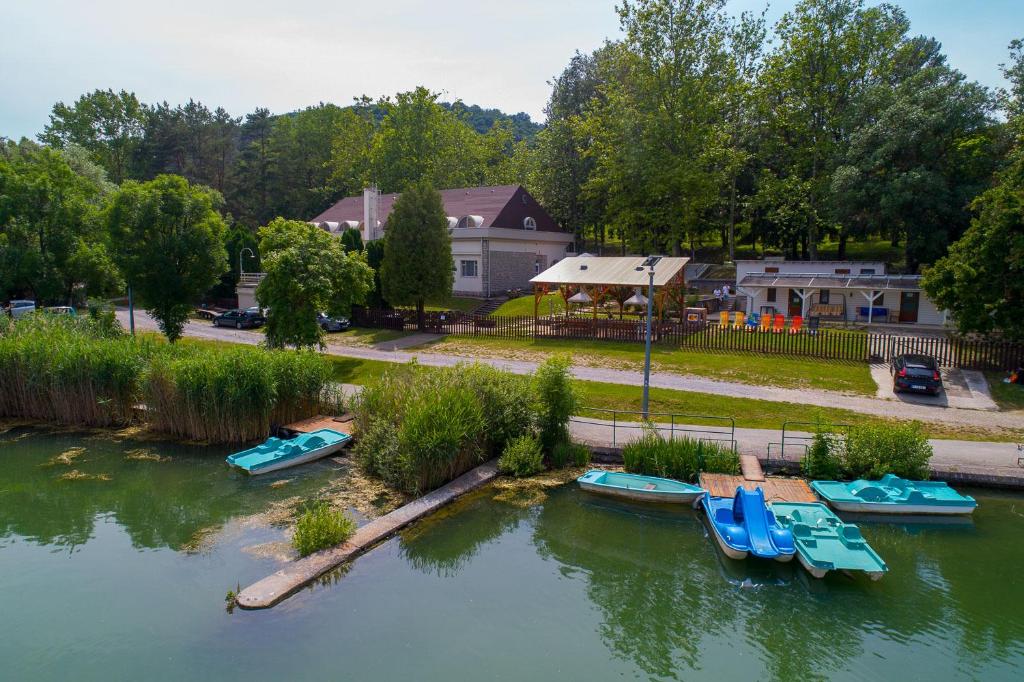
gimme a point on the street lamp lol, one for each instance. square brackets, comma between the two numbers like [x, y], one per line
[251, 255]
[649, 263]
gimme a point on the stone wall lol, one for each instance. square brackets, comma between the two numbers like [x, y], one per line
[510, 270]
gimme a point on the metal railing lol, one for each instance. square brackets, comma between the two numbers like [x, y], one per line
[250, 279]
[802, 440]
[632, 421]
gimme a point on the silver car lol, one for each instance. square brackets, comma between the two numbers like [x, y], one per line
[19, 308]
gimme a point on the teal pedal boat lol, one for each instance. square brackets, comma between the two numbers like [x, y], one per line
[824, 543]
[894, 495]
[640, 488]
[276, 453]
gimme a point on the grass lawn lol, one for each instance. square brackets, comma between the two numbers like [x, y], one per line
[1007, 396]
[774, 370]
[524, 305]
[465, 305]
[366, 336]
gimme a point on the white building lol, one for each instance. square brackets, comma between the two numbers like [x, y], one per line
[846, 291]
[501, 236]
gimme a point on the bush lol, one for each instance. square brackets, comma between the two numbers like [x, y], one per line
[824, 458]
[420, 429]
[320, 527]
[569, 453]
[680, 458]
[556, 401]
[522, 457]
[873, 451]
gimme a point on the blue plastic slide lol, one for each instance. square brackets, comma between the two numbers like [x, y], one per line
[744, 524]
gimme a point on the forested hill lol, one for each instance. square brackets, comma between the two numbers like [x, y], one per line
[482, 120]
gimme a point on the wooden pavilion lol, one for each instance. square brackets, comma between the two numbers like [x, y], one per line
[622, 277]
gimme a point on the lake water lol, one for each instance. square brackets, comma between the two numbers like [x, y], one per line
[109, 579]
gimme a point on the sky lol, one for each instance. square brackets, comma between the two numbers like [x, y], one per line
[287, 55]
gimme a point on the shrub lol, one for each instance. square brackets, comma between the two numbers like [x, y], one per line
[522, 457]
[556, 401]
[873, 451]
[320, 527]
[681, 458]
[568, 453]
[824, 458]
[419, 428]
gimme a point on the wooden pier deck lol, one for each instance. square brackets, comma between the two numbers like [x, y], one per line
[776, 488]
[345, 423]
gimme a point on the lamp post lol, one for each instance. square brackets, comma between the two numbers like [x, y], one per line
[649, 264]
[251, 255]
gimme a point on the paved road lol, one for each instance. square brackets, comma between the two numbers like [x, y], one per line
[819, 398]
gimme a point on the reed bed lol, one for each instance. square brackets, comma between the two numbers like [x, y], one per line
[70, 371]
[681, 458]
[88, 372]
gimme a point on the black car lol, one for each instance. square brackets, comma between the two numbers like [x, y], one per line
[919, 373]
[332, 324]
[239, 319]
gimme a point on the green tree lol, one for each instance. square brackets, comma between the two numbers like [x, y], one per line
[248, 196]
[169, 244]
[352, 240]
[417, 250]
[308, 272]
[110, 125]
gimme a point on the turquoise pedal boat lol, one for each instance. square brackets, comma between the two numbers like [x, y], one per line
[275, 453]
[894, 495]
[640, 488]
[824, 543]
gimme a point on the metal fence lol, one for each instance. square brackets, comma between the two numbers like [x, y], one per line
[625, 425]
[980, 354]
[797, 437]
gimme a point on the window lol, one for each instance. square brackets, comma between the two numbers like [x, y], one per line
[771, 269]
[529, 223]
[823, 297]
[842, 271]
[468, 268]
[867, 271]
[570, 247]
[771, 295]
[881, 298]
[536, 267]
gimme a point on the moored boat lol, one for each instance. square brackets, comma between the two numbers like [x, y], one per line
[824, 543]
[894, 495]
[743, 525]
[275, 453]
[640, 488]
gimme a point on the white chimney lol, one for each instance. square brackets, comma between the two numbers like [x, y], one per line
[371, 227]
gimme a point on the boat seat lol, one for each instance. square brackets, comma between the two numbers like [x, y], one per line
[315, 442]
[870, 493]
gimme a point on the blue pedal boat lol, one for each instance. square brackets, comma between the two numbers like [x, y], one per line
[744, 525]
[275, 453]
[894, 495]
[824, 543]
[640, 488]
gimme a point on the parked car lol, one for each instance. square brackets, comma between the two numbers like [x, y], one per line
[332, 324]
[61, 310]
[912, 372]
[239, 319]
[18, 308]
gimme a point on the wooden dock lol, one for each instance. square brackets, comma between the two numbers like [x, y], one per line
[776, 488]
[344, 423]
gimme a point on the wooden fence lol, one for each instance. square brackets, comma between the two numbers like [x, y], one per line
[833, 344]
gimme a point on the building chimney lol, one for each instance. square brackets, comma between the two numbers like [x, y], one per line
[371, 229]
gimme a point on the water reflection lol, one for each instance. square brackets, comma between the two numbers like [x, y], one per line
[159, 503]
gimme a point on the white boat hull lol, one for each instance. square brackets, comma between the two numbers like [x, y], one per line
[733, 553]
[303, 459]
[813, 570]
[640, 495]
[893, 509]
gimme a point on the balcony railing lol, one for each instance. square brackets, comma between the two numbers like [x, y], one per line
[251, 279]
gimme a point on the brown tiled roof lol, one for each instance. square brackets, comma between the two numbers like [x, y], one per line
[501, 206]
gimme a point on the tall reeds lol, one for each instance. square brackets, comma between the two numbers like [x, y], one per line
[680, 458]
[87, 372]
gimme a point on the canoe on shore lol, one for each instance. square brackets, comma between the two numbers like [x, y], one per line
[640, 488]
[824, 543]
[894, 495]
[275, 453]
[743, 525]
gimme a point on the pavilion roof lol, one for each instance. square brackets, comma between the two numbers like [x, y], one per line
[610, 271]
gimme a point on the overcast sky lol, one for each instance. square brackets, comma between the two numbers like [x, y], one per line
[289, 54]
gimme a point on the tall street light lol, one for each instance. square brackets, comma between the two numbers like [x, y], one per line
[251, 255]
[649, 263]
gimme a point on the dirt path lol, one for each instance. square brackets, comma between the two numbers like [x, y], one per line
[863, 404]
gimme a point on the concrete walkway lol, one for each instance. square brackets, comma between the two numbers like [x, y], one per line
[678, 382]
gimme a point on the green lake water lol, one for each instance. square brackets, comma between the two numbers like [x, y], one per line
[104, 580]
